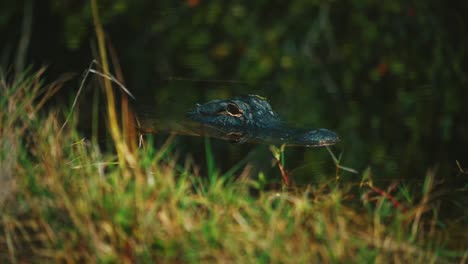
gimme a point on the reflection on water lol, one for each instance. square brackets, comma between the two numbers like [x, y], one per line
[248, 118]
[373, 135]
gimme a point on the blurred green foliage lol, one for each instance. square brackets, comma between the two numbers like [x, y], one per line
[390, 77]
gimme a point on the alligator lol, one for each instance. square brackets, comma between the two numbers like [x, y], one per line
[250, 118]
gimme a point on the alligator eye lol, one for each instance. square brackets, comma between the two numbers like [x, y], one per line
[233, 110]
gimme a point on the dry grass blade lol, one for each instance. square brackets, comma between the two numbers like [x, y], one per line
[90, 69]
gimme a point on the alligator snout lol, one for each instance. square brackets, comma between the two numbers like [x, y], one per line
[318, 137]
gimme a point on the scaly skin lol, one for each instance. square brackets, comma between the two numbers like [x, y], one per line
[251, 119]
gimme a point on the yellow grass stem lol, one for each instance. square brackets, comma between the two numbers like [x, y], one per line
[128, 123]
[112, 116]
[125, 155]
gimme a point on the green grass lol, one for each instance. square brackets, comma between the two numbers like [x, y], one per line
[64, 200]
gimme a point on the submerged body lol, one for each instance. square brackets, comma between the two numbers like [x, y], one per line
[251, 119]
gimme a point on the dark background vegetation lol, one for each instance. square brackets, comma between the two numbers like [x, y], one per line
[389, 76]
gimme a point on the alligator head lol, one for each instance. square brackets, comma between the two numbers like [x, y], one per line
[251, 119]
[238, 113]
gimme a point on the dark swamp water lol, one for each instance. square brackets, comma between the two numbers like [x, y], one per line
[391, 80]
